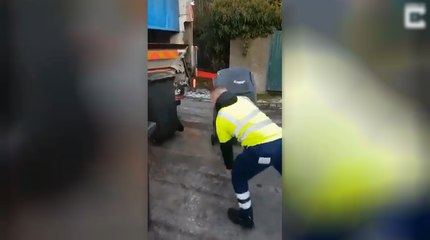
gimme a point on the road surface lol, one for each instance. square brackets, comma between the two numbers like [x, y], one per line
[190, 190]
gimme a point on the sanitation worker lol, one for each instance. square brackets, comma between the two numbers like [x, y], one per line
[238, 118]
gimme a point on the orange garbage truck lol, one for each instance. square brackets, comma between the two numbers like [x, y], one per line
[172, 63]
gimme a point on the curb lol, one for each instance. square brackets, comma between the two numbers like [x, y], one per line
[269, 105]
[198, 99]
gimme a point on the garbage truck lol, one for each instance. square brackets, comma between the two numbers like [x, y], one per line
[172, 61]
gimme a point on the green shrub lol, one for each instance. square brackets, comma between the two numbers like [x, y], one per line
[220, 21]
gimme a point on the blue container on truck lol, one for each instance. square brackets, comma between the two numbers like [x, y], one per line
[163, 15]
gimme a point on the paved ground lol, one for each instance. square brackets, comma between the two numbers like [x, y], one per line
[190, 190]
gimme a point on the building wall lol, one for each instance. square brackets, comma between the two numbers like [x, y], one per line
[257, 59]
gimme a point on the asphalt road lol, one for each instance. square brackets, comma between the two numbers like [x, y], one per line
[190, 190]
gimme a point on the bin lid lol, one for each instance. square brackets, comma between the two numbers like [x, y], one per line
[235, 79]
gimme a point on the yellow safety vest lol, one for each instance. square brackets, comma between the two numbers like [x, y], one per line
[247, 123]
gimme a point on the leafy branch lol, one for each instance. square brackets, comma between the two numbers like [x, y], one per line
[226, 20]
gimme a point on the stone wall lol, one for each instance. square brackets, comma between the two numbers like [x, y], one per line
[257, 59]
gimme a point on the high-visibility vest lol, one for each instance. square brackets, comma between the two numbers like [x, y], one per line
[244, 121]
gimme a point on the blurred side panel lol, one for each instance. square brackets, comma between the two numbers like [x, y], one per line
[5, 110]
[74, 144]
[356, 115]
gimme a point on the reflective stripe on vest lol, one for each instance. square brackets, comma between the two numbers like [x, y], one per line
[240, 124]
[255, 127]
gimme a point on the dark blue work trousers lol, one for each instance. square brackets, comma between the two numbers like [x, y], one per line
[251, 162]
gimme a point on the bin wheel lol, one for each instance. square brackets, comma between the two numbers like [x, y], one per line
[155, 141]
[213, 140]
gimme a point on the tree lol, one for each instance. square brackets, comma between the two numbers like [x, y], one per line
[225, 20]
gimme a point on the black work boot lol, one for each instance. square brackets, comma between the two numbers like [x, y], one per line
[242, 217]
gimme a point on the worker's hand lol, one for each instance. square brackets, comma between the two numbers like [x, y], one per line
[229, 166]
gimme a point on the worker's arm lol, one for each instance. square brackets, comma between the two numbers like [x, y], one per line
[227, 153]
[225, 140]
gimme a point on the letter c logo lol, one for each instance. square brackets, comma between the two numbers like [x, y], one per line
[413, 16]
